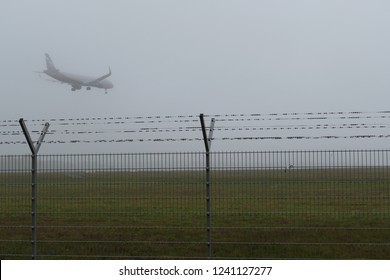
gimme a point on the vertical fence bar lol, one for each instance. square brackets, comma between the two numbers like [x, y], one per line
[207, 142]
[34, 167]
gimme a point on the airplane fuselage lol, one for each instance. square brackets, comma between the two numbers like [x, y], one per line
[77, 81]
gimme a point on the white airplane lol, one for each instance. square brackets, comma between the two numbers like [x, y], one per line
[77, 81]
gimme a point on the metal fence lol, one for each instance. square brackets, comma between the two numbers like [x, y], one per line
[262, 205]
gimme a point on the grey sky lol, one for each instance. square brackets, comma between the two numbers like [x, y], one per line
[173, 57]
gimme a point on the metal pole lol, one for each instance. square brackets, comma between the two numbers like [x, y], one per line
[34, 169]
[208, 205]
[207, 142]
[34, 158]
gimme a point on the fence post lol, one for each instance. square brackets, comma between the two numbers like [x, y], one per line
[207, 143]
[34, 166]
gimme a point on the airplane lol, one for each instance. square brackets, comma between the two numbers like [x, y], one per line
[77, 81]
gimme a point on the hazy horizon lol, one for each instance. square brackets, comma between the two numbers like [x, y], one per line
[183, 58]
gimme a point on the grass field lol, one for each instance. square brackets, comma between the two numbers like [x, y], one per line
[272, 214]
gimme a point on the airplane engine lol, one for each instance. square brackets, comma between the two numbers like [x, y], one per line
[75, 87]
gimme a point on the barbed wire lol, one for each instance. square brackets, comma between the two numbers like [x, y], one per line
[311, 121]
[239, 138]
[221, 117]
[192, 129]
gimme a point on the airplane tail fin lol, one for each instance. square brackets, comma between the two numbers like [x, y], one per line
[49, 63]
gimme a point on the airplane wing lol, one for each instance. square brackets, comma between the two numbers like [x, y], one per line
[100, 79]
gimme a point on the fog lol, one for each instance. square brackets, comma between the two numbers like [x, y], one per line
[183, 57]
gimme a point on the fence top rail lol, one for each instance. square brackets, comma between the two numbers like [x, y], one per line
[200, 152]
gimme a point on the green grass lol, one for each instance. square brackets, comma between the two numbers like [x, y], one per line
[271, 214]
